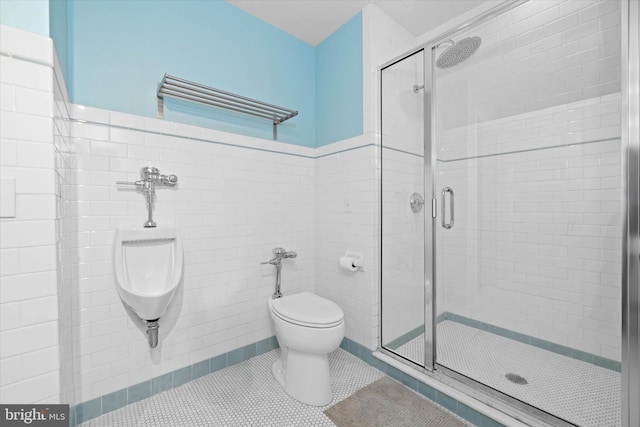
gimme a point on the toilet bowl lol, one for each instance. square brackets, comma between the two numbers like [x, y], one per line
[148, 268]
[308, 328]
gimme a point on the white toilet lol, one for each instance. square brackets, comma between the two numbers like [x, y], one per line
[148, 268]
[308, 328]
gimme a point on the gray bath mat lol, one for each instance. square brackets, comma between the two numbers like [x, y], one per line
[388, 403]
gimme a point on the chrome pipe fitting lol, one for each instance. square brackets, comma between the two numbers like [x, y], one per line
[150, 176]
[280, 254]
[152, 332]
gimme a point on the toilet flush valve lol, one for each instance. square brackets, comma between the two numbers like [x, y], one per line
[280, 254]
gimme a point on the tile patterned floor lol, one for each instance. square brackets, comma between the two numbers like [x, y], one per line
[245, 394]
[579, 392]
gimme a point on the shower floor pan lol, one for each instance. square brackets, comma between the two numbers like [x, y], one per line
[576, 391]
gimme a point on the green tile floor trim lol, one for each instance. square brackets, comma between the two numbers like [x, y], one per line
[412, 334]
[405, 338]
[94, 408]
[463, 411]
[600, 361]
[110, 402]
[118, 399]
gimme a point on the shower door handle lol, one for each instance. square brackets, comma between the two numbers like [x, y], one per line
[443, 196]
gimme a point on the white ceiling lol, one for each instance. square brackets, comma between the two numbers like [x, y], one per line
[313, 20]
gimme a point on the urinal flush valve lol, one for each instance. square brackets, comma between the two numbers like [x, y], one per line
[152, 332]
[150, 176]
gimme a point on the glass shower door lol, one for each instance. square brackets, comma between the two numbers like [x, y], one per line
[526, 145]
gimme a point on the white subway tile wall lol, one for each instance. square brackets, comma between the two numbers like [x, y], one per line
[232, 205]
[29, 324]
[538, 55]
[346, 218]
[527, 134]
[536, 245]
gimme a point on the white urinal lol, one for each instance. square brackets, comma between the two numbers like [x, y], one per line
[148, 267]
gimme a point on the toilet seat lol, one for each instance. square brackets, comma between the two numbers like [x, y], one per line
[307, 309]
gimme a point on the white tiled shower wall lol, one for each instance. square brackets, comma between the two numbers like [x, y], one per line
[540, 54]
[403, 231]
[546, 74]
[536, 245]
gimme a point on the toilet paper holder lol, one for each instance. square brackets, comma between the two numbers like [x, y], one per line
[352, 260]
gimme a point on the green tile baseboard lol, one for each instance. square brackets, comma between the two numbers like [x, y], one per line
[594, 359]
[414, 333]
[86, 411]
[600, 361]
[458, 408]
[405, 338]
[110, 402]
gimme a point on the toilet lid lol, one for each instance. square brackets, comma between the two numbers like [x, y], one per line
[308, 309]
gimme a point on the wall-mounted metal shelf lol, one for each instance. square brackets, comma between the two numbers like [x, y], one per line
[184, 89]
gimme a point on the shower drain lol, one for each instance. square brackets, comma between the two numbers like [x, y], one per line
[518, 379]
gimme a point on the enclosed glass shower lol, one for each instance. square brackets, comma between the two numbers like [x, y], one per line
[501, 207]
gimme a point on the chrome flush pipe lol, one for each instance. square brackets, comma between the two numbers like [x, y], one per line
[149, 193]
[277, 293]
[280, 254]
[152, 332]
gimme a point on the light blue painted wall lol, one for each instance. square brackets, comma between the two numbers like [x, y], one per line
[339, 84]
[119, 52]
[59, 31]
[28, 15]
[44, 17]
[113, 54]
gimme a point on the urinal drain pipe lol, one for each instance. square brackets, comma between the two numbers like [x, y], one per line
[152, 332]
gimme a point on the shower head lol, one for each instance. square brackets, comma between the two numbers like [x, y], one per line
[458, 52]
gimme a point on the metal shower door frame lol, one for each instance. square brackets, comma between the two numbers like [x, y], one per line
[429, 344]
[631, 236]
[533, 415]
[430, 293]
[630, 90]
